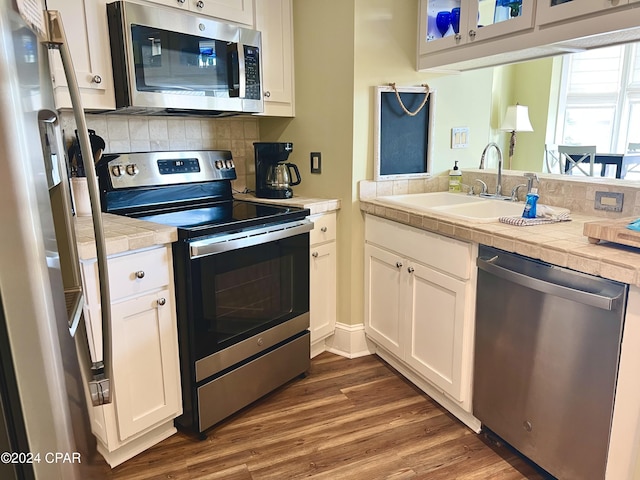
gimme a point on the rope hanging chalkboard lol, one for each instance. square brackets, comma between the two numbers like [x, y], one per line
[404, 117]
[406, 110]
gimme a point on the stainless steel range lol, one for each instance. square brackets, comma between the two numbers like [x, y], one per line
[241, 274]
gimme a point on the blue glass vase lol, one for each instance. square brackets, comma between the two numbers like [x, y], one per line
[443, 20]
[455, 19]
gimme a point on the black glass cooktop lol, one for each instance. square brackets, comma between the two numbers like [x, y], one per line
[225, 216]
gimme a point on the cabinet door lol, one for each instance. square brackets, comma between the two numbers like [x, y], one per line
[435, 318]
[85, 23]
[550, 11]
[146, 378]
[239, 11]
[383, 284]
[274, 18]
[322, 298]
[474, 20]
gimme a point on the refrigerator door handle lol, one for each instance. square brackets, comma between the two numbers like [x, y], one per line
[100, 385]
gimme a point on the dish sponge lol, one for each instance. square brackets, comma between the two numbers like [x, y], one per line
[634, 225]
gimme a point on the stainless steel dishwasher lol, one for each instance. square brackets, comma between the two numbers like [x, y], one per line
[547, 346]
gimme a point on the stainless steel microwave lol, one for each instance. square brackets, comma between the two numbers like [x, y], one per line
[168, 62]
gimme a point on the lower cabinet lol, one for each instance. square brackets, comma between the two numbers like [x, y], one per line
[322, 280]
[419, 303]
[145, 366]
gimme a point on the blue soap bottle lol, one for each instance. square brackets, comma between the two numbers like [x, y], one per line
[530, 205]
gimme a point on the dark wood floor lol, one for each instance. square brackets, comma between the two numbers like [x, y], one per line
[348, 419]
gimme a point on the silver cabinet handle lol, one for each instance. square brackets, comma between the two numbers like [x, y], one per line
[97, 79]
[200, 4]
[458, 37]
[399, 264]
[180, 1]
[410, 269]
[140, 274]
[472, 33]
[323, 229]
[162, 301]
[314, 254]
[267, 94]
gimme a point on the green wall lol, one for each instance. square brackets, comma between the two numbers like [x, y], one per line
[343, 49]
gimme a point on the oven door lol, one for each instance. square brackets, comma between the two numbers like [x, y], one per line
[245, 284]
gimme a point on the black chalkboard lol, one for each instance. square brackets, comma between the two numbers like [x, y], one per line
[403, 139]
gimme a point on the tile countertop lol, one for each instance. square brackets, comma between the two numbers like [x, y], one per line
[122, 234]
[561, 244]
[315, 205]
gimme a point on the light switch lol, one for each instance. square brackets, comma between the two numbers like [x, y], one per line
[460, 137]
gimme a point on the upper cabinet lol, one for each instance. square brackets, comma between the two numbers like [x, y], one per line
[551, 11]
[84, 20]
[239, 11]
[87, 33]
[446, 24]
[498, 32]
[274, 18]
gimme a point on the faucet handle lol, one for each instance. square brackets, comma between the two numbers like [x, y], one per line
[514, 192]
[483, 185]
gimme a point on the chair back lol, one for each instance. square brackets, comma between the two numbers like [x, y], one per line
[552, 159]
[575, 158]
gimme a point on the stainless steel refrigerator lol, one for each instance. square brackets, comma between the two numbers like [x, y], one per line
[44, 432]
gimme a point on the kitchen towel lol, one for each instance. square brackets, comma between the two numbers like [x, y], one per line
[524, 222]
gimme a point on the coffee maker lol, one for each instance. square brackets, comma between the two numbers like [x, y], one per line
[274, 176]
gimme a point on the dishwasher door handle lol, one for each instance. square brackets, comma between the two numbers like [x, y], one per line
[604, 302]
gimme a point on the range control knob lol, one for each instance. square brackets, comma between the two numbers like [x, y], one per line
[132, 169]
[219, 164]
[117, 171]
[229, 163]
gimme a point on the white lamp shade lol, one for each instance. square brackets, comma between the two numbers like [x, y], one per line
[517, 119]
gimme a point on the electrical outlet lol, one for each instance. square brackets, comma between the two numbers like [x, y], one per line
[609, 201]
[460, 137]
[316, 162]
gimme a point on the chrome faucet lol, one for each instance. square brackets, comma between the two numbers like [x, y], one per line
[484, 153]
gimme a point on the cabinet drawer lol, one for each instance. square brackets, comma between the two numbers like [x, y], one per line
[154, 267]
[443, 253]
[140, 272]
[324, 228]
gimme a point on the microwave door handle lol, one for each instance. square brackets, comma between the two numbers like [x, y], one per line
[242, 78]
[99, 387]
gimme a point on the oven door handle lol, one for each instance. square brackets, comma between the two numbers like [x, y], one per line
[248, 238]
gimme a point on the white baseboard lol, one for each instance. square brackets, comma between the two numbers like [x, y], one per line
[349, 341]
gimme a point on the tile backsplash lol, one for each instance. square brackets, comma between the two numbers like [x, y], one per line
[135, 133]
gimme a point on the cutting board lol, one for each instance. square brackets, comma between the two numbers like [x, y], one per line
[612, 231]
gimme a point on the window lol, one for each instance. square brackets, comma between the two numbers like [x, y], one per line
[600, 99]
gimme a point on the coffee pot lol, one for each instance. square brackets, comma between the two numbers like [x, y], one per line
[274, 175]
[279, 176]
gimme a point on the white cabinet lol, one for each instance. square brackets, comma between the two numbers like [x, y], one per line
[274, 18]
[145, 362]
[419, 292]
[239, 11]
[322, 280]
[475, 23]
[85, 23]
[550, 11]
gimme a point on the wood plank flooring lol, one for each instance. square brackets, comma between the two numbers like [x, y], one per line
[348, 419]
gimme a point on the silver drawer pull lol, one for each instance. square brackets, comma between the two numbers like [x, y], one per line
[398, 264]
[161, 301]
[410, 269]
[200, 4]
[140, 274]
[323, 229]
[314, 254]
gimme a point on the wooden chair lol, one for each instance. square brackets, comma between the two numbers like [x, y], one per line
[577, 157]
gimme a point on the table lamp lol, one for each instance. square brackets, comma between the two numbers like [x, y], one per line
[516, 120]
